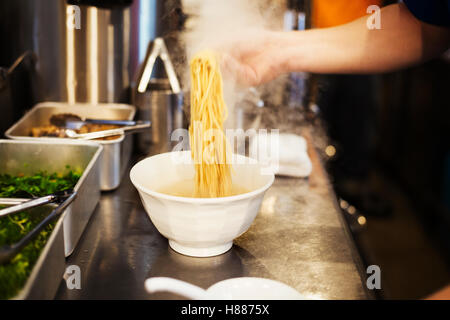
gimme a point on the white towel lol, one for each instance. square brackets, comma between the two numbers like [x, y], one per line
[286, 154]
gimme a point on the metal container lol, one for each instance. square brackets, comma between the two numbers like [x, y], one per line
[83, 47]
[87, 50]
[164, 109]
[28, 157]
[159, 101]
[116, 153]
[45, 278]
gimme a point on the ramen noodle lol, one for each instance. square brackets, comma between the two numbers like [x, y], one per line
[209, 147]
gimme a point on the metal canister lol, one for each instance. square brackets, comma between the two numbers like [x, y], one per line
[83, 47]
[164, 109]
[159, 100]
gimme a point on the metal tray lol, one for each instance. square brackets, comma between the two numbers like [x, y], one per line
[116, 153]
[28, 157]
[48, 270]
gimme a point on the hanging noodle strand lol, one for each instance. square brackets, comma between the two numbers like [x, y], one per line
[208, 142]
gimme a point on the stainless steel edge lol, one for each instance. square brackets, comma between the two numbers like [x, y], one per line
[78, 213]
[117, 152]
[48, 271]
[118, 155]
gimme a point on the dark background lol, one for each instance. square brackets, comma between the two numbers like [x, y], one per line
[392, 163]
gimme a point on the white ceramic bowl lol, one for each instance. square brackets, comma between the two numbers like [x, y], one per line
[245, 288]
[199, 227]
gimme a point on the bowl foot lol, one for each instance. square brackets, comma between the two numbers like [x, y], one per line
[200, 252]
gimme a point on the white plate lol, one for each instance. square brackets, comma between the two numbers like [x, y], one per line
[245, 288]
[248, 288]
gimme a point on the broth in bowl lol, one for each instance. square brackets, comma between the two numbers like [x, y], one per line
[198, 227]
[186, 188]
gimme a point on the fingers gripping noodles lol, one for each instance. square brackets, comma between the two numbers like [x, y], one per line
[208, 142]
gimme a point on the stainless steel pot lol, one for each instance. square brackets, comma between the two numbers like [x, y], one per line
[83, 47]
[164, 108]
[159, 100]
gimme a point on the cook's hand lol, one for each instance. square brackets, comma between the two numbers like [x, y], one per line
[252, 58]
[259, 56]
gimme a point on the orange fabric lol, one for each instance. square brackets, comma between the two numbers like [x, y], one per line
[330, 13]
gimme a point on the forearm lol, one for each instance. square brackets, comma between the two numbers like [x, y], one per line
[402, 41]
[443, 294]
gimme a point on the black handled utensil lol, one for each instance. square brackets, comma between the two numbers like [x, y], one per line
[22, 206]
[7, 252]
[75, 122]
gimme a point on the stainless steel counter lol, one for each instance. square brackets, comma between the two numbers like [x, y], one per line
[298, 237]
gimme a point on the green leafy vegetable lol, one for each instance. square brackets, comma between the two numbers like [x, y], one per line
[39, 184]
[14, 274]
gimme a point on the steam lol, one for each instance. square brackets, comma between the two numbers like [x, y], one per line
[215, 22]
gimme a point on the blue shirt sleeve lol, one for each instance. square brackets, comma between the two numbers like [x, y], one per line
[435, 12]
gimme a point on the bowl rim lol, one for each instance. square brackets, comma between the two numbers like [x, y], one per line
[218, 288]
[219, 200]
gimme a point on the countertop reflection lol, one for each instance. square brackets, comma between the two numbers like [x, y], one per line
[298, 238]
